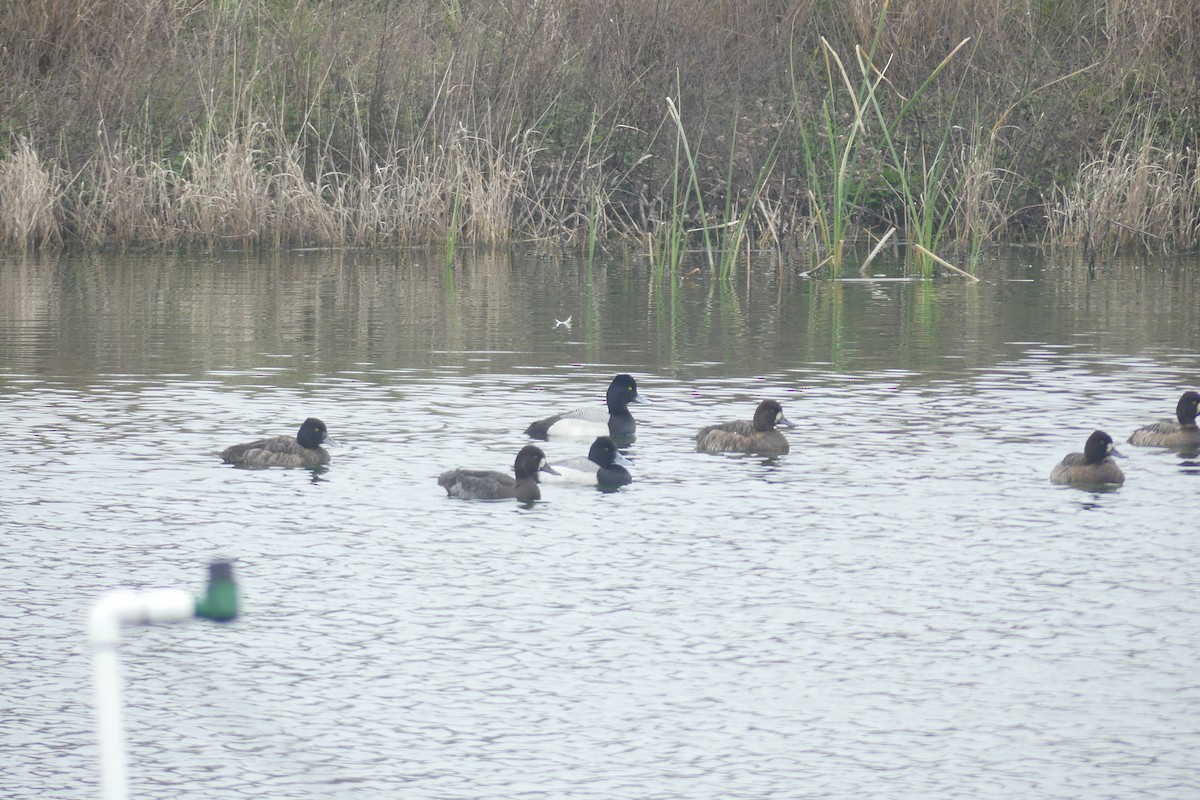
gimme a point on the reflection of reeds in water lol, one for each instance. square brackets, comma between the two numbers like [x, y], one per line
[824, 323]
[698, 319]
[920, 321]
[28, 291]
[725, 316]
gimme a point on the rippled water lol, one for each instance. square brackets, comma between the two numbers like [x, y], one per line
[903, 607]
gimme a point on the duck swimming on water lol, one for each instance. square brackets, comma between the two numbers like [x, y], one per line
[613, 419]
[481, 484]
[302, 450]
[604, 464]
[1093, 466]
[1181, 434]
[758, 435]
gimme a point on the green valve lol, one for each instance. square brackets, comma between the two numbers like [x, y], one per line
[220, 602]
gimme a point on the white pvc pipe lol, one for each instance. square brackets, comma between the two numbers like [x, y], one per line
[114, 782]
[110, 612]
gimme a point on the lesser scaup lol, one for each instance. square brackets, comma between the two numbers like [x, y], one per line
[302, 450]
[1181, 434]
[586, 423]
[1091, 467]
[480, 484]
[603, 464]
[748, 436]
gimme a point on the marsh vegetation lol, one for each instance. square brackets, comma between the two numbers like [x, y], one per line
[674, 126]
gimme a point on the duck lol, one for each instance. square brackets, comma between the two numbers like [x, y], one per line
[302, 450]
[1182, 434]
[1091, 467]
[604, 464]
[480, 484]
[587, 423]
[748, 436]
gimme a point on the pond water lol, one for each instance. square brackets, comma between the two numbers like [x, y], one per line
[902, 607]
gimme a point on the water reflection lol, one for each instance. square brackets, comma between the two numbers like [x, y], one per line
[276, 318]
[904, 593]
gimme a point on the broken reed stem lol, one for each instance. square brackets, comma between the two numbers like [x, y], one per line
[823, 262]
[875, 251]
[945, 263]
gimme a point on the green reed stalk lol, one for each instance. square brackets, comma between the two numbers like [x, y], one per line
[732, 221]
[669, 241]
[452, 233]
[593, 228]
[693, 184]
[835, 196]
[924, 222]
[736, 219]
[665, 244]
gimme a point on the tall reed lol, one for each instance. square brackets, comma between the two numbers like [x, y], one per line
[692, 193]
[1141, 189]
[723, 238]
[735, 226]
[266, 124]
[928, 205]
[29, 199]
[668, 241]
[831, 151]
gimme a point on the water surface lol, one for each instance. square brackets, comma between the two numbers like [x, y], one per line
[902, 607]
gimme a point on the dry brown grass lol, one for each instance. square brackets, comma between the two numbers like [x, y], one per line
[274, 124]
[29, 199]
[230, 192]
[1134, 193]
[125, 198]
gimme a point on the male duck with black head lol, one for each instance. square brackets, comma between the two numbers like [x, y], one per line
[1091, 468]
[758, 435]
[481, 484]
[302, 450]
[1181, 435]
[612, 420]
[603, 465]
